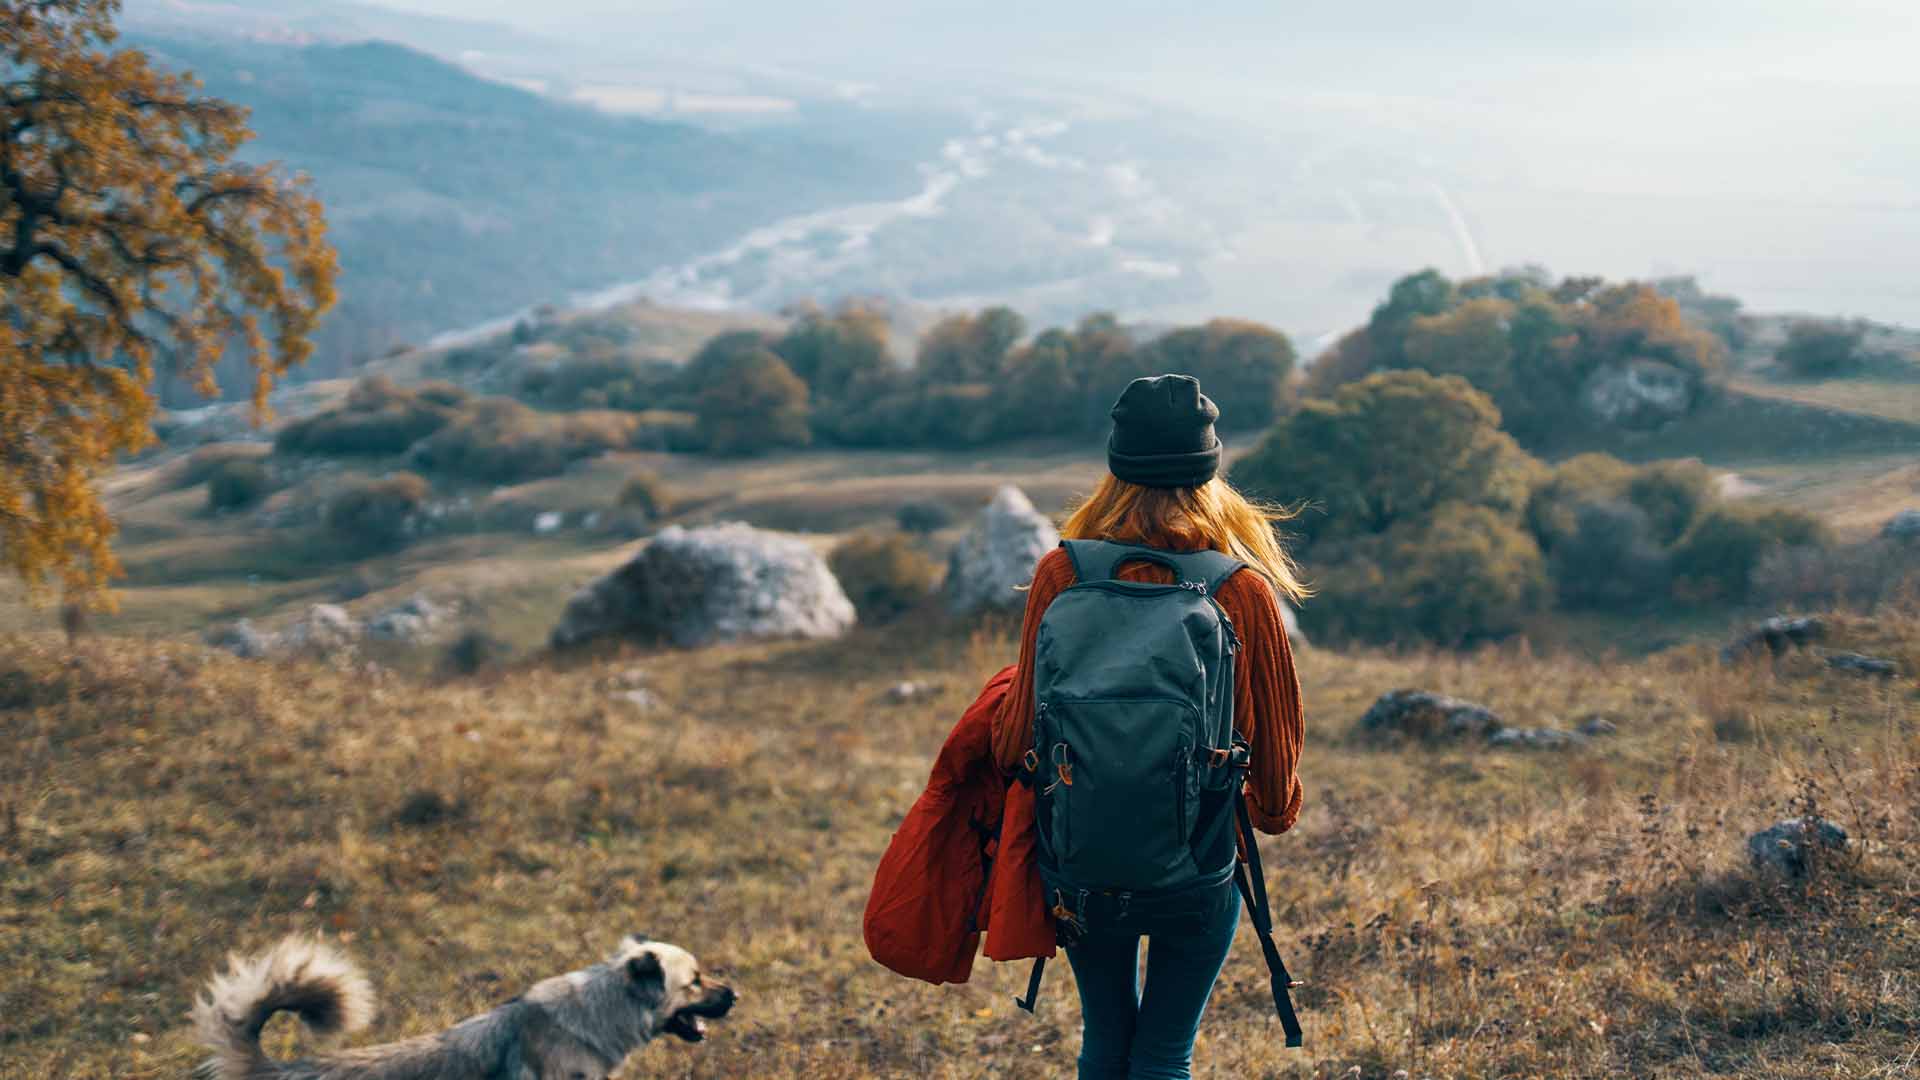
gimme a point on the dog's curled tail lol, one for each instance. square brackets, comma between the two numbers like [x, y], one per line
[299, 975]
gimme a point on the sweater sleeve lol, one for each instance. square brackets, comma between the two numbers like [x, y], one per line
[1013, 726]
[1266, 703]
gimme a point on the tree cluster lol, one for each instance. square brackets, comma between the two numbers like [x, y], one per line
[1536, 347]
[975, 379]
[1421, 515]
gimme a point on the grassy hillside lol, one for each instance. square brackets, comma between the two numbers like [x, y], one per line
[1455, 910]
[453, 199]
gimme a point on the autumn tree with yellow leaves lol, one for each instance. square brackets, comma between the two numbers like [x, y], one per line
[131, 241]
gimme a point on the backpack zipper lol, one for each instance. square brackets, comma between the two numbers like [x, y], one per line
[1180, 756]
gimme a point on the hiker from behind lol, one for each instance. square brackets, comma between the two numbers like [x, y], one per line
[1156, 716]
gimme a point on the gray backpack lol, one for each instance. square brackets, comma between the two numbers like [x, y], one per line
[1135, 762]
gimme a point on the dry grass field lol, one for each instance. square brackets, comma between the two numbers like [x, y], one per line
[1455, 910]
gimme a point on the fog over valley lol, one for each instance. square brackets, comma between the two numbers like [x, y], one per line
[1274, 164]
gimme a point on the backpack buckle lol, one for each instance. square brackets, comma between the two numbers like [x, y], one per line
[1220, 758]
[1030, 761]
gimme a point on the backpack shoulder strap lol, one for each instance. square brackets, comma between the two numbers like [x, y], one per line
[1252, 883]
[1211, 567]
[1097, 560]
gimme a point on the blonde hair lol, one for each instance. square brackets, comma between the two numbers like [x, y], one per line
[1212, 516]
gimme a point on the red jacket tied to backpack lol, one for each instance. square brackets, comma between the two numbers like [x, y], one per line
[936, 890]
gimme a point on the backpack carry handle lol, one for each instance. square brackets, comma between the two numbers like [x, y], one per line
[1100, 560]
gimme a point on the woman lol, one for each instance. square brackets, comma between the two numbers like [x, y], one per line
[1164, 492]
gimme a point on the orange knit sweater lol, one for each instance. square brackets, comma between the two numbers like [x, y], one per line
[1266, 699]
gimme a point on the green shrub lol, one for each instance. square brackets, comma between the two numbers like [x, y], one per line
[199, 466]
[474, 651]
[1467, 574]
[664, 429]
[378, 515]
[1673, 495]
[498, 441]
[599, 382]
[1610, 559]
[884, 575]
[238, 484]
[645, 492]
[749, 401]
[1716, 560]
[921, 518]
[836, 352]
[378, 418]
[1573, 483]
[1818, 350]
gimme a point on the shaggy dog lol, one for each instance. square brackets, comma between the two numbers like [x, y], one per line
[577, 1026]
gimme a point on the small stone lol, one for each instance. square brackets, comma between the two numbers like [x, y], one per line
[1788, 847]
[640, 699]
[1539, 738]
[1863, 665]
[1426, 715]
[548, 521]
[416, 620]
[902, 692]
[1597, 726]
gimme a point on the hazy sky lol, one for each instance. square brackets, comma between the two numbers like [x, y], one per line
[1244, 41]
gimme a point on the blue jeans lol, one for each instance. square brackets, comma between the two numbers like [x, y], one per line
[1127, 1035]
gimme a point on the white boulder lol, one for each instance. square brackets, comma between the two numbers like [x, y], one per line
[1639, 395]
[718, 583]
[997, 555]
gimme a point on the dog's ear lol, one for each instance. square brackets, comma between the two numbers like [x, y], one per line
[645, 969]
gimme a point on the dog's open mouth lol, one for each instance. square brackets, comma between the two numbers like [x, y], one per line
[687, 1026]
[690, 1023]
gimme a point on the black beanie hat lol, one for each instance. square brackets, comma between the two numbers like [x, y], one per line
[1163, 433]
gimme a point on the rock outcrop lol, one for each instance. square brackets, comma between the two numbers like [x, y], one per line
[694, 587]
[1776, 635]
[998, 554]
[325, 630]
[1639, 395]
[329, 630]
[1790, 847]
[1421, 714]
[1903, 526]
[244, 640]
[418, 619]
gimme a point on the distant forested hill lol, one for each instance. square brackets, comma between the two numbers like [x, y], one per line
[453, 199]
